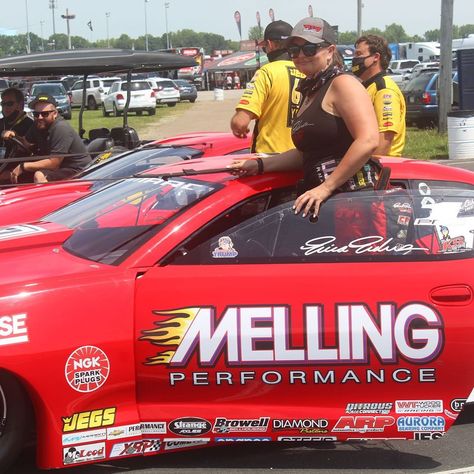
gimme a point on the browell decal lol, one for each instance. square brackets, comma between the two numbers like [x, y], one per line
[413, 333]
[89, 419]
[225, 425]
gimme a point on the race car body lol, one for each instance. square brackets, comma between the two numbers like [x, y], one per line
[30, 202]
[185, 308]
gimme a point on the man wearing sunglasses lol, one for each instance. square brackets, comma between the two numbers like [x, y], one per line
[371, 60]
[54, 139]
[271, 98]
[14, 120]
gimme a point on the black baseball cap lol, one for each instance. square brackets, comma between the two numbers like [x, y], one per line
[42, 99]
[276, 30]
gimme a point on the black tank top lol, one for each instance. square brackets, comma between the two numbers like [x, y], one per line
[322, 137]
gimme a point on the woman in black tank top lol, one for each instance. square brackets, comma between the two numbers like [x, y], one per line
[335, 131]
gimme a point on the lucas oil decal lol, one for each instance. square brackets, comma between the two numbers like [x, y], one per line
[414, 332]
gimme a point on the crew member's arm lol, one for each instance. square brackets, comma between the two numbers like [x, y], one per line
[52, 163]
[240, 122]
[388, 111]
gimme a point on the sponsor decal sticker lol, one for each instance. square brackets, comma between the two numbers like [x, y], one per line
[457, 404]
[388, 124]
[84, 437]
[13, 329]
[427, 435]
[89, 419]
[374, 408]
[135, 447]
[22, 230]
[243, 102]
[387, 96]
[245, 440]
[363, 424]
[225, 248]
[189, 426]
[302, 425]
[153, 427]
[87, 369]
[127, 431]
[419, 406]
[174, 443]
[225, 425]
[299, 439]
[83, 453]
[421, 423]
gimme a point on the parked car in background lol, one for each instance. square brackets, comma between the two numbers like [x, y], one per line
[421, 96]
[57, 90]
[187, 90]
[142, 98]
[419, 68]
[96, 89]
[166, 91]
[397, 77]
[403, 66]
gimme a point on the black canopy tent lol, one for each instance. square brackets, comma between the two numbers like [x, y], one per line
[92, 61]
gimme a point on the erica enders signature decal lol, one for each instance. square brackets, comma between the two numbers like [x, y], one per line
[371, 243]
[413, 332]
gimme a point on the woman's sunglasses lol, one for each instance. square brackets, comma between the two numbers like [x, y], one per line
[309, 49]
[43, 114]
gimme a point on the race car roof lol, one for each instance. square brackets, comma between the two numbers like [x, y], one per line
[91, 61]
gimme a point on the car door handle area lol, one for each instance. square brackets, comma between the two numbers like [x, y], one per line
[452, 295]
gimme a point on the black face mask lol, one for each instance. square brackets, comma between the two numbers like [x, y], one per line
[358, 66]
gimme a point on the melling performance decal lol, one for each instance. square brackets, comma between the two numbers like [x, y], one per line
[190, 426]
[251, 336]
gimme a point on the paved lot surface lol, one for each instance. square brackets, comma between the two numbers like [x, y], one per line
[206, 115]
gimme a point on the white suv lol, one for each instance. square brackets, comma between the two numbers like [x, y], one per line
[166, 91]
[142, 98]
[97, 89]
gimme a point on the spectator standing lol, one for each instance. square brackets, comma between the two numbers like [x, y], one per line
[372, 58]
[51, 135]
[14, 119]
[271, 98]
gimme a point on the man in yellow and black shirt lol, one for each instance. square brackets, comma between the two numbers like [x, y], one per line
[371, 59]
[271, 98]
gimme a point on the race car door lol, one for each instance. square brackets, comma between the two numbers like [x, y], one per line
[359, 321]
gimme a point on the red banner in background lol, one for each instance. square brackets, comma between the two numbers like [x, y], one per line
[239, 22]
[310, 10]
[271, 14]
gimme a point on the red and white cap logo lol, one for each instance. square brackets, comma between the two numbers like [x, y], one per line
[87, 369]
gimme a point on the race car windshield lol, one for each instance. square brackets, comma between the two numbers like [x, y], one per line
[110, 223]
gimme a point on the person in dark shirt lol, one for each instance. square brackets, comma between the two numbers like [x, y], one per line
[14, 119]
[53, 137]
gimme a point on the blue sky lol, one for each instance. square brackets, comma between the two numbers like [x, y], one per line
[217, 16]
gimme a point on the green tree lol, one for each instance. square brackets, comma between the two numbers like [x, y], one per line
[432, 35]
[374, 31]
[255, 33]
[122, 42]
[465, 31]
[395, 33]
[347, 37]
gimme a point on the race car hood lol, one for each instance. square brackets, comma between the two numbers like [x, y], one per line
[30, 203]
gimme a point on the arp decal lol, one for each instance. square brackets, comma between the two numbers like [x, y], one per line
[89, 419]
[87, 369]
[414, 333]
[363, 424]
[13, 329]
[190, 426]
[83, 453]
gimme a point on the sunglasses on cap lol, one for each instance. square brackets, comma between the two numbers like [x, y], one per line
[43, 114]
[309, 49]
[7, 103]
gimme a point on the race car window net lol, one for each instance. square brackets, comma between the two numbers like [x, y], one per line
[425, 223]
[110, 223]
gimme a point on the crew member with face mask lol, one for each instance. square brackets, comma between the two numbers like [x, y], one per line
[372, 57]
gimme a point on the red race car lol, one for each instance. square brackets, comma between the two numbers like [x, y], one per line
[30, 202]
[187, 307]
